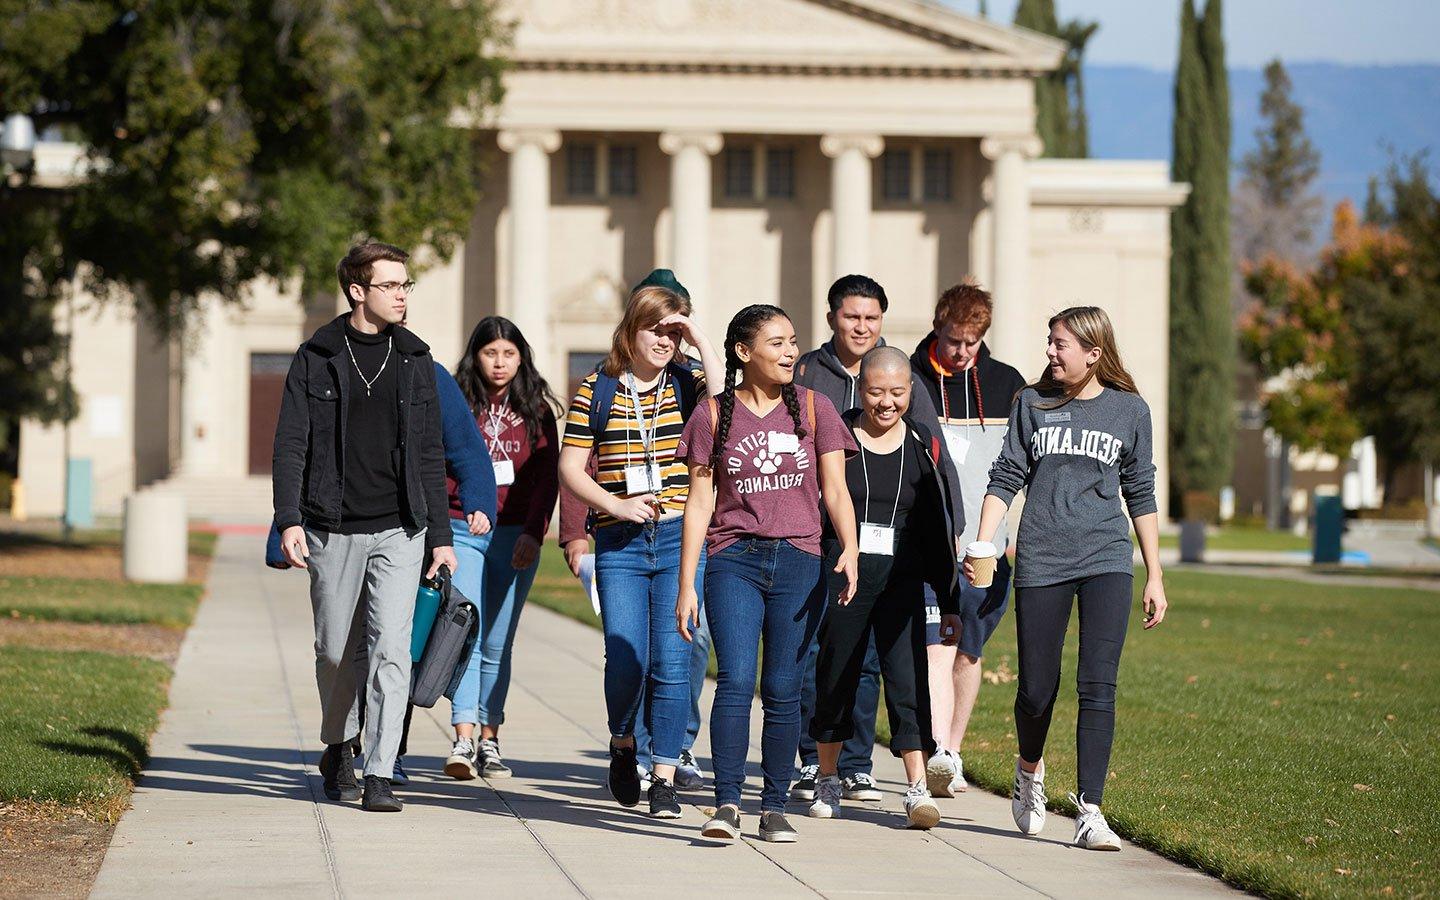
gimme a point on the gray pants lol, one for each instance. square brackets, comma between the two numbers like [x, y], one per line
[382, 571]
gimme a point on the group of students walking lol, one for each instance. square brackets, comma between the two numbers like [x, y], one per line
[820, 520]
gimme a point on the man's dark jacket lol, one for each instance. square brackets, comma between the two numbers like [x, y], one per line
[310, 437]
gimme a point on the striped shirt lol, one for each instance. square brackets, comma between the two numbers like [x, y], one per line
[620, 445]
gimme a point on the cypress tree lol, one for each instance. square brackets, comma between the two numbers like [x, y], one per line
[1202, 344]
[1060, 95]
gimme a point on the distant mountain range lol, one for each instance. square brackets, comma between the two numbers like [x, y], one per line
[1352, 113]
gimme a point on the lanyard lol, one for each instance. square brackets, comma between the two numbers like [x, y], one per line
[647, 436]
[497, 420]
[899, 484]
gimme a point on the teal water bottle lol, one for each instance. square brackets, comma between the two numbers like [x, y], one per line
[427, 607]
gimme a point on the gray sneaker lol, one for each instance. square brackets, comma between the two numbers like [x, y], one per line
[688, 775]
[491, 763]
[776, 829]
[724, 825]
[461, 764]
[827, 798]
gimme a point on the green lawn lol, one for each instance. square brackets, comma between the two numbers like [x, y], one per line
[1279, 734]
[99, 600]
[1245, 537]
[74, 726]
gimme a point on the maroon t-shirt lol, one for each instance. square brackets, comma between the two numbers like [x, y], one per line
[760, 493]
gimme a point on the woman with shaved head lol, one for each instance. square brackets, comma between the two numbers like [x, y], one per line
[898, 484]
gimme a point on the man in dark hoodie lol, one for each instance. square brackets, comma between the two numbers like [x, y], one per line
[857, 311]
[360, 501]
[970, 394]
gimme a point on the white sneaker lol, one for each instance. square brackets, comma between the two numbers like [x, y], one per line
[828, 790]
[1027, 799]
[1092, 832]
[461, 764]
[939, 773]
[958, 784]
[920, 811]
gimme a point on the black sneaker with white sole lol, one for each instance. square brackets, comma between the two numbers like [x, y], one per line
[861, 786]
[663, 804]
[804, 787]
[724, 825]
[624, 780]
[776, 829]
[492, 765]
[379, 797]
[337, 768]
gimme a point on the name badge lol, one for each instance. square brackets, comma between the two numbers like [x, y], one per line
[957, 443]
[784, 442]
[877, 539]
[504, 472]
[643, 479]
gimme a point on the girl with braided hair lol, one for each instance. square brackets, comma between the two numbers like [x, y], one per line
[763, 456]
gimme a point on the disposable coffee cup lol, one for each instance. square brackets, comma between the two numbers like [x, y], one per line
[981, 557]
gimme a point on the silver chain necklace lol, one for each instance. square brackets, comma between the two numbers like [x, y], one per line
[370, 382]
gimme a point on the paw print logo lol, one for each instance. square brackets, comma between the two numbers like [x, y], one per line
[768, 463]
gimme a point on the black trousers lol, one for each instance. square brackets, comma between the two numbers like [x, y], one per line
[891, 604]
[1042, 615]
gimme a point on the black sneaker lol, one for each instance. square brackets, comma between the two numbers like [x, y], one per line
[624, 781]
[804, 788]
[775, 829]
[337, 768]
[663, 804]
[724, 825]
[379, 797]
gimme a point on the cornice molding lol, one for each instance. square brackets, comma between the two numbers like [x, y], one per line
[672, 142]
[511, 139]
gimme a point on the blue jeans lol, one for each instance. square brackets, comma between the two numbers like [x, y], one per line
[855, 753]
[647, 662]
[498, 591]
[760, 589]
[699, 663]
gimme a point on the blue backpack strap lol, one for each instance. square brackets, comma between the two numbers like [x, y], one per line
[686, 388]
[602, 399]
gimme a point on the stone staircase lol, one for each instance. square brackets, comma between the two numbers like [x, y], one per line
[228, 501]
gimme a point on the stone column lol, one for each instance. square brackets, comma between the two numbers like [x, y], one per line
[690, 181]
[527, 303]
[850, 201]
[1009, 196]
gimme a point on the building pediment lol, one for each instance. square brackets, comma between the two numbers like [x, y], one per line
[848, 36]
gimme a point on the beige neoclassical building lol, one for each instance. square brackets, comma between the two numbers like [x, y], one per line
[760, 148]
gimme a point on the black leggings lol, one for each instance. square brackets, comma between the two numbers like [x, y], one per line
[1041, 616]
[893, 606]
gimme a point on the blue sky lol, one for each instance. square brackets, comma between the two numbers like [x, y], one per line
[1357, 32]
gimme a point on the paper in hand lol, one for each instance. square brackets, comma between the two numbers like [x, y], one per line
[587, 580]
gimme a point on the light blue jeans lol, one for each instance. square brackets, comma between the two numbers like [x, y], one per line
[498, 591]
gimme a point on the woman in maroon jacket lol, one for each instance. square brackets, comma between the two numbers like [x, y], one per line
[514, 409]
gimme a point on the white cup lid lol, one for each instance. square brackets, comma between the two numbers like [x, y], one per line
[980, 549]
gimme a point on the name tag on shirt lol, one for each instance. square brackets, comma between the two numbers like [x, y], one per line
[784, 442]
[643, 479]
[504, 472]
[957, 443]
[877, 539]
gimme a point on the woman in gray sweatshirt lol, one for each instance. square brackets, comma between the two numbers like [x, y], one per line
[1079, 440]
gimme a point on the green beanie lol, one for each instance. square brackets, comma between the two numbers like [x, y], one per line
[663, 278]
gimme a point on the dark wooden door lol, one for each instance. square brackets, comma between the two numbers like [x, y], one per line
[267, 383]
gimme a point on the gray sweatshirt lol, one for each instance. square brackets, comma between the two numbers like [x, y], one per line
[1075, 462]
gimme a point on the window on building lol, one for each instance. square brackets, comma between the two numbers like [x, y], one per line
[581, 170]
[939, 164]
[740, 173]
[895, 175]
[624, 170]
[780, 172]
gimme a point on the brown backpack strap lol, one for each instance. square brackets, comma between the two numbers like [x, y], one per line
[810, 411]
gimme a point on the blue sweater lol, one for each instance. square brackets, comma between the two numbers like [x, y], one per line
[467, 459]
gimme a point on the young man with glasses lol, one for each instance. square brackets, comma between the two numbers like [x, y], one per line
[360, 500]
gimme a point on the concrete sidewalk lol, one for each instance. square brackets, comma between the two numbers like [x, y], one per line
[231, 802]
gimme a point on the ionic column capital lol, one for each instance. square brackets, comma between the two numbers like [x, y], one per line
[512, 139]
[835, 145]
[672, 142]
[1029, 146]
